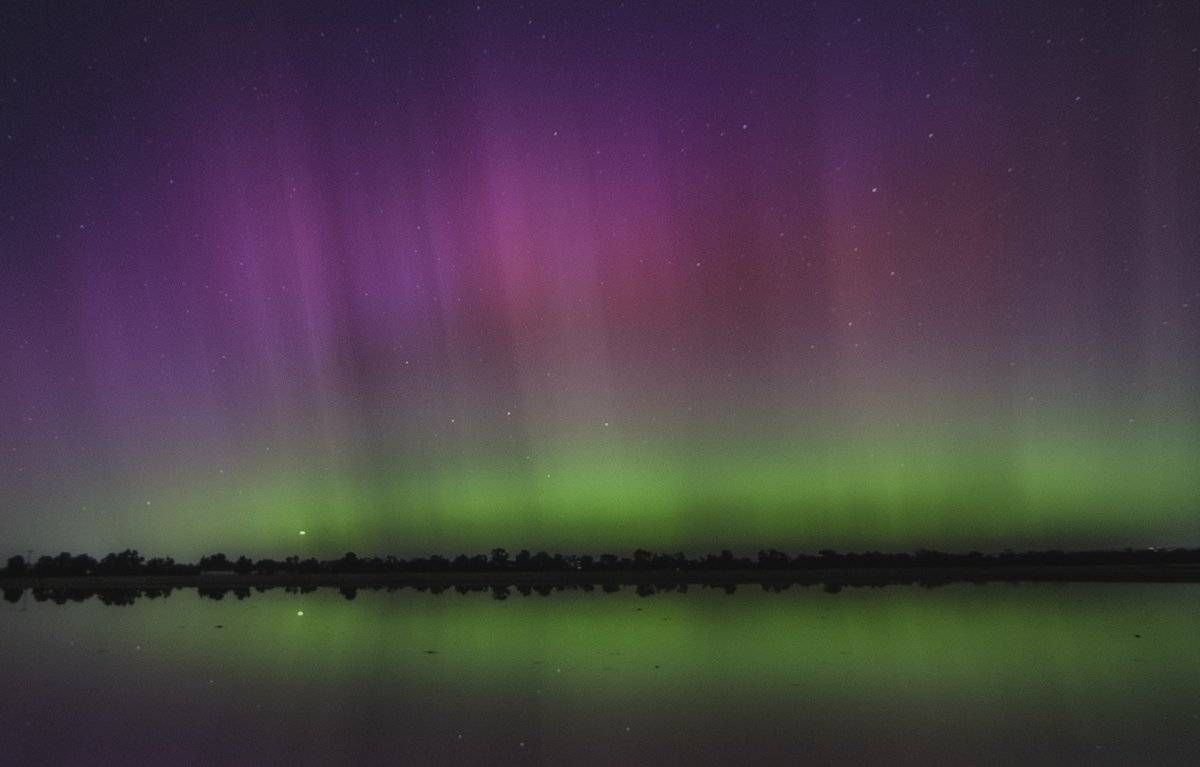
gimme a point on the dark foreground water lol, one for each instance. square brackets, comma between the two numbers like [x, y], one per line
[1054, 674]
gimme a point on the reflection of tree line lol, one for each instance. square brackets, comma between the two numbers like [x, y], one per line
[131, 563]
[119, 596]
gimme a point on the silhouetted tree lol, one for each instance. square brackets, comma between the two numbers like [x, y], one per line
[772, 560]
[215, 562]
[349, 563]
[159, 566]
[128, 562]
[65, 565]
[310, 565]
[16, 566]
[676, 561]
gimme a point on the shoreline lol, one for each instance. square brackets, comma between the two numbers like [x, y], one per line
[1174, 573]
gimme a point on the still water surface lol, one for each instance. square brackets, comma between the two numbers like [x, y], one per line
[1054, 674]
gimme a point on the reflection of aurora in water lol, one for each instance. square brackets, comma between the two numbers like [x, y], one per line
[1050, 674]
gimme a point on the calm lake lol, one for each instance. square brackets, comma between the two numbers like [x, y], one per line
[1011, 674]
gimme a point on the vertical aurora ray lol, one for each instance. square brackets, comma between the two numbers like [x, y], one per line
[429, 279]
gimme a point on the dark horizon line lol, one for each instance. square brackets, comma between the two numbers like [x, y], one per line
[498, 561]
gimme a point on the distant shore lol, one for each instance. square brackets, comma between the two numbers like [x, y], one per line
[847, 576]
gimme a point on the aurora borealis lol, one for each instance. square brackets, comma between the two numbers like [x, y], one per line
[437, 277]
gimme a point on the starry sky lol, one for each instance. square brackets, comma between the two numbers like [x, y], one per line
[436, 277]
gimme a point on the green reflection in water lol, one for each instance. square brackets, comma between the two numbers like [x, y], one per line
[1041, 673]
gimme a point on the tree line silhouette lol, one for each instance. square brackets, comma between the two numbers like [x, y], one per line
[130, 563]
[543, 574]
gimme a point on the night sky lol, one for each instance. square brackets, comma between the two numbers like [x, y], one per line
[438, 277]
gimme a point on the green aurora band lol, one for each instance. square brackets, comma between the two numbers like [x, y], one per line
[899, 493]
